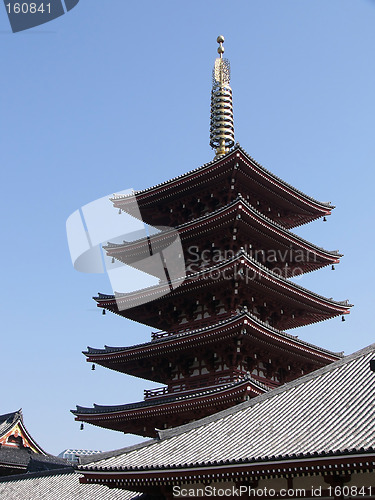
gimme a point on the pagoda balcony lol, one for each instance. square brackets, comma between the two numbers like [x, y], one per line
[185, 328]
[204, 382]
[154, 393]
[161, 335]
[201, 324]
[145, 417]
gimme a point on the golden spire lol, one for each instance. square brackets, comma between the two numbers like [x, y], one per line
[222, 128]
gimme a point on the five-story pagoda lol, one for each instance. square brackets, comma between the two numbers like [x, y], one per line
[220, 329]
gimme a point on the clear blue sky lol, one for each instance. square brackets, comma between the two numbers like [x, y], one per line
[115, 95]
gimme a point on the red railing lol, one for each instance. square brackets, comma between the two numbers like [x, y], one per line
[198, 383]
[153, 393]
[160, 335]
[199, 323]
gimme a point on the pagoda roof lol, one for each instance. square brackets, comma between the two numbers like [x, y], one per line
[171, 342]
[271, 280]
[205, 223]
[291, 195]
[217, 392]
[328, 412]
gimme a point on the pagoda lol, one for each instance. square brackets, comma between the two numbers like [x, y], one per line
[220, 330]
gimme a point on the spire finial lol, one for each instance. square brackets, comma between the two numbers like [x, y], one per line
[222, 128]
[220, 49]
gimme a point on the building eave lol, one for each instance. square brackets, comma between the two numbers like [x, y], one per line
[179, 399]
[264, 466]
[270, 279]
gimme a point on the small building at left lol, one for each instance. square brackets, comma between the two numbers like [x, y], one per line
[19, 452]
[27, 472]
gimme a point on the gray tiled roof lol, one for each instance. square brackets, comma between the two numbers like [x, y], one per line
[62, 485]
[329, 410]
[29, 461]
[17, 456]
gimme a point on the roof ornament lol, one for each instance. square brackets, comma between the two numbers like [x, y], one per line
[222, 127]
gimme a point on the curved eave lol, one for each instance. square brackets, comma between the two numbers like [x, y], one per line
[206, 222]
[270, 182]
[33, 444]
[210, 334]
[99, 412]
[285, 191]
[268, 278]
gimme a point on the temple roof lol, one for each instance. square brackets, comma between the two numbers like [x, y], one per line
[311, 207]
[329, 411]
[216, 213]
[206, 223]
[13, 433]
[237, 147]
[242, 255]
[275, 283]
[19, 452]
[160, 344]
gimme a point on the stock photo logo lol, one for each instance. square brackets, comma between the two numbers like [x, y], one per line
[27, 14]
[147, 256]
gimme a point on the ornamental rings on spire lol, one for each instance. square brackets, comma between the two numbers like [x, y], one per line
[222, 125]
